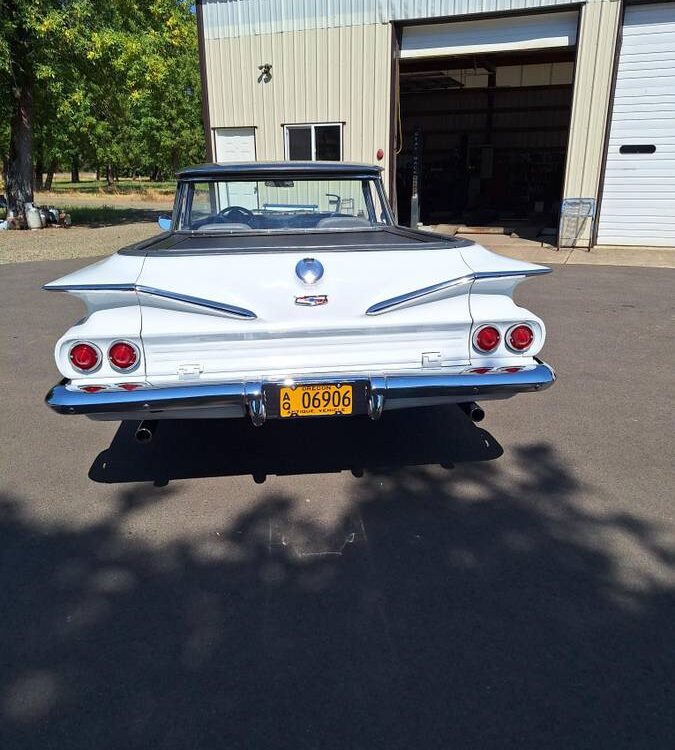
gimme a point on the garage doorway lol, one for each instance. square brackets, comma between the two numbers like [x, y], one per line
[486, 131]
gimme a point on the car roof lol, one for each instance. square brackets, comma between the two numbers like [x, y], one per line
[281, 168]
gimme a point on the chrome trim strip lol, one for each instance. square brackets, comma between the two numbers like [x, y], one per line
[248, 394]
[506, 274]
[89, 287]
[236, 312]
[394, 302]
[233, 310]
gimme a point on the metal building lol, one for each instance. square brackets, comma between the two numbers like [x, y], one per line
[480, 111]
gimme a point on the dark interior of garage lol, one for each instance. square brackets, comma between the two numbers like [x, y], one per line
[485, 137]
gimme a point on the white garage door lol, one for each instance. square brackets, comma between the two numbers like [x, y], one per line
[539, 31]
[236, 144]
[638, 198]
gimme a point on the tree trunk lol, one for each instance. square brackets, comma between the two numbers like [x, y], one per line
[98, 173]
[50, 175]
[38, 174]
[109, 174]
[75, 169]
[20, 162]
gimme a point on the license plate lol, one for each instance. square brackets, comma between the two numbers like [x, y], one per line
[316, 400]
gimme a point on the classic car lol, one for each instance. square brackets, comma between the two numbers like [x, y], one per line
[286, 290]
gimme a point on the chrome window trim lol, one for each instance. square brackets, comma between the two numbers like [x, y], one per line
[394, 302]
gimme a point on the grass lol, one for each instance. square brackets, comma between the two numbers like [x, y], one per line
[100, 216]
[139, 188]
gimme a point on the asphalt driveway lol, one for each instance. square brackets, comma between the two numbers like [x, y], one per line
[421, 582]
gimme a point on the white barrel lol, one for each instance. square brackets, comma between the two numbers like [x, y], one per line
[33, 217]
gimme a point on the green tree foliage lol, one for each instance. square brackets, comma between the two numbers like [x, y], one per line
[112, 82]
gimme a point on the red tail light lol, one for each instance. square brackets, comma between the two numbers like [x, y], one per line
[93, 388]
[122, 355]
[486, 339]
[84, 357]
[520, 338]
[129, 386]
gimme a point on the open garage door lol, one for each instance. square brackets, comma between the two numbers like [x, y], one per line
[638, 197]
[484, 120]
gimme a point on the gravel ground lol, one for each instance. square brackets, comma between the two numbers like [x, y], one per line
[76, 242]
[83, 241]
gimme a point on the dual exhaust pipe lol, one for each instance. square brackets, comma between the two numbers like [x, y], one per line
[146, 430]
[473, 411]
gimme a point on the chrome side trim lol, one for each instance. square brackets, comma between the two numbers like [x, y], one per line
[89, 287]
[232, 310]
[248, 394]
[506, 274]
[395, 302]
[391, 304]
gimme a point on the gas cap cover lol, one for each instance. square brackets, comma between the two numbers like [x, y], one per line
[309, 270]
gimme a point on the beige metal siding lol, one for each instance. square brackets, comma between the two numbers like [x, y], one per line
[233, 18]
[318, 75]
[592, 90]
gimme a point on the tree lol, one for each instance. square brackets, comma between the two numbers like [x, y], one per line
[109, 82]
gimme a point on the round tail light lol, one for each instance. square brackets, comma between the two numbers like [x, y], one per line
[486, 339]
[122, 355]
[84, 357]
[520, 338]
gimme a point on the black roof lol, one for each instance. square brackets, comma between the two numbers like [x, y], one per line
[282, 168]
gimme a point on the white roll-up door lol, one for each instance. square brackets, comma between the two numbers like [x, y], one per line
[536, 31]
[638, 196]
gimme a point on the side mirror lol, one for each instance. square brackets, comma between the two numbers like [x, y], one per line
[164, 223]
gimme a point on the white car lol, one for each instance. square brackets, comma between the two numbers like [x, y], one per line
[285, 290]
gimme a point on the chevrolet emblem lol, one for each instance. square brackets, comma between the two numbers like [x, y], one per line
[312, 300]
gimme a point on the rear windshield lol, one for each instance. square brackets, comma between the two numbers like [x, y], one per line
[273, 204]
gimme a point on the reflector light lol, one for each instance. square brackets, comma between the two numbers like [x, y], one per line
[129, 386]
[93, 388]
[479, 370]
[84, 357]
[520, 338]
[487, 339]
[122, 355]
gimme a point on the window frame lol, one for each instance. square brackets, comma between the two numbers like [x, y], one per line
[312, 126]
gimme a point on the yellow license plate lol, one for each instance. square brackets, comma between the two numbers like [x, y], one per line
[315, 400]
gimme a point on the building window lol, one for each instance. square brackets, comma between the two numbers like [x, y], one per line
[313, 142]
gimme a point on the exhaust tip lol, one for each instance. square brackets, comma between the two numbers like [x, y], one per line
[145, 431]
[475, 412]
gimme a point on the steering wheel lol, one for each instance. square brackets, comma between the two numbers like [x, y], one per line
[243, 215]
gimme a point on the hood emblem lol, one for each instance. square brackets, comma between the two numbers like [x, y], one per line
[312, 300]
[309, 270]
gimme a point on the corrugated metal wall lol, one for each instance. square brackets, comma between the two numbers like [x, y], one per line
[234, 18]
[335, 65]
[320, 75]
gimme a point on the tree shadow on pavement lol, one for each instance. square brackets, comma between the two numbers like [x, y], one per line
[477, 607]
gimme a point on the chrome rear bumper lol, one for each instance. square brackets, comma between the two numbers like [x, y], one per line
[144, 403]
